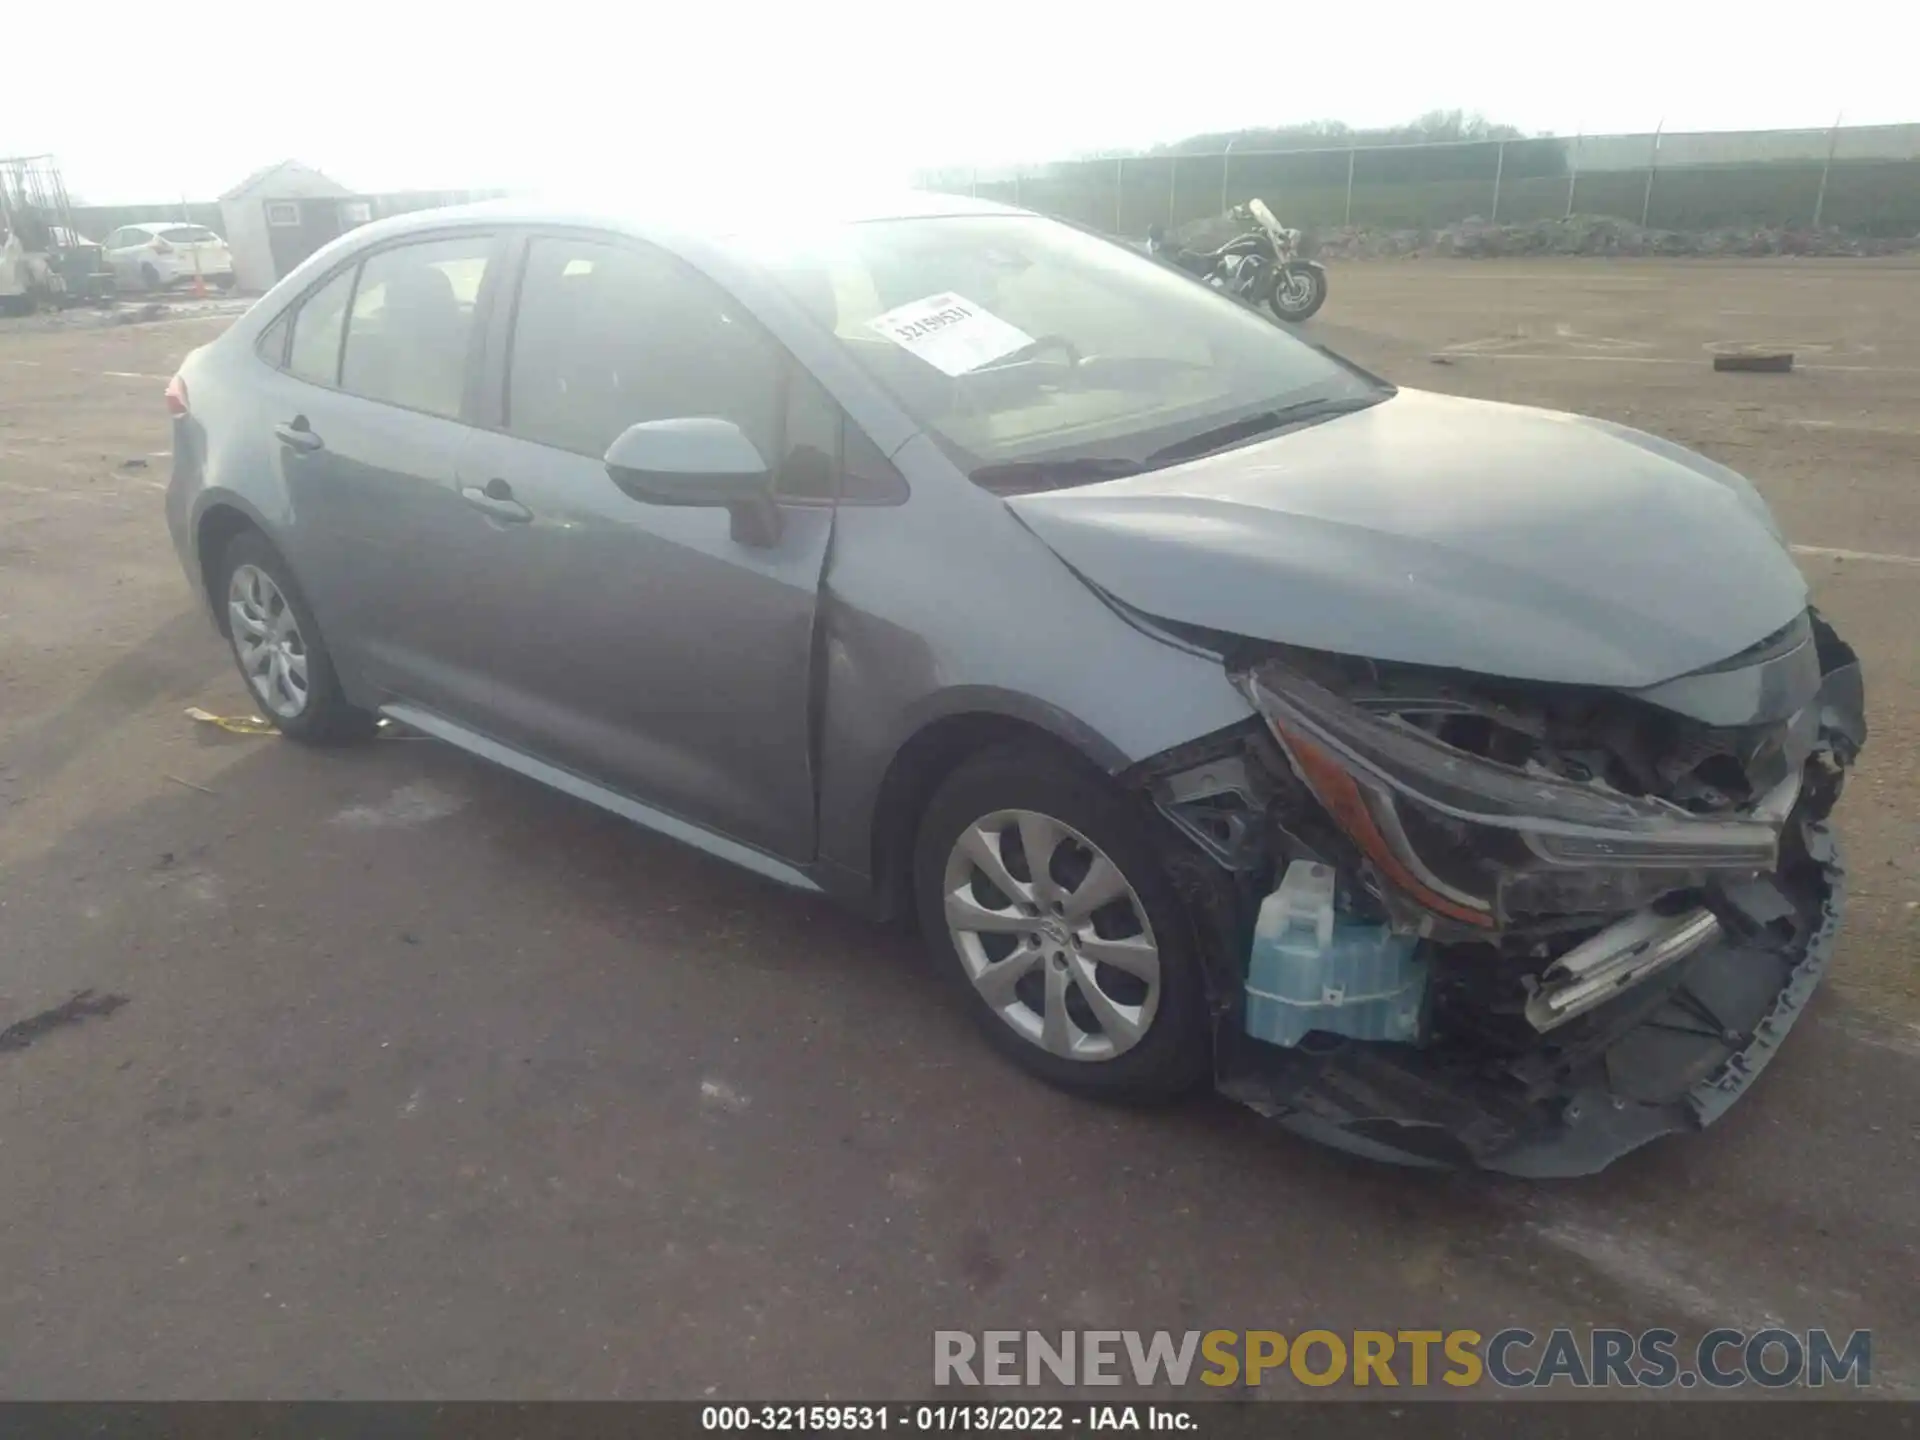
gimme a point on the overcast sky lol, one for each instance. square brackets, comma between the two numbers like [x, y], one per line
[399, 95]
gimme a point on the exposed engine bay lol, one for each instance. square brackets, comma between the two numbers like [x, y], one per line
[1525, 926]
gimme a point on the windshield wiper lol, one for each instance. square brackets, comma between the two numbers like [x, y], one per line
[1015, 476]
[1247, 427]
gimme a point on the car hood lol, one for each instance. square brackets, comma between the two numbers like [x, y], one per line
[1441, 531]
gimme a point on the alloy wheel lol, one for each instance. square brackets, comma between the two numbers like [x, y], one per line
[266, 637]
[1052, 935]
[1296, 291]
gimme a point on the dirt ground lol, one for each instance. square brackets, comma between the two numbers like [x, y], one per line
[400, 1076]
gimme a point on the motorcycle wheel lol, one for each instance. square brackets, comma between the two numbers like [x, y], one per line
[1299, 294]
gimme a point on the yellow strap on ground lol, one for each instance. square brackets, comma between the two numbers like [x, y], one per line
[236, 724]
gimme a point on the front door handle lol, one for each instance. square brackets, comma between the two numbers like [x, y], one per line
[298, 434]
[496, 499]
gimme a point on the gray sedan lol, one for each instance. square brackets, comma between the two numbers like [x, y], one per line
[1448, 780]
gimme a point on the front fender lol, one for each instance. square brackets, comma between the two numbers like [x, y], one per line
[992, 702]
[949, 605]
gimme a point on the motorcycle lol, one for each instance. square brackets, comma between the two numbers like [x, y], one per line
[1261, 266]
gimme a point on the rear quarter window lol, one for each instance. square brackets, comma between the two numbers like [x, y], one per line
[272, 344]
[317, 328]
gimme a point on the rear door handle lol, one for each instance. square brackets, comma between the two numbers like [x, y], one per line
[298, 434]
[496, 499]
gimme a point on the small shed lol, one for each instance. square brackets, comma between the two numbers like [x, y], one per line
[277, 217]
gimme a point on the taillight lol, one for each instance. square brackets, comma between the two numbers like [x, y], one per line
[176, 397]
[160, 247]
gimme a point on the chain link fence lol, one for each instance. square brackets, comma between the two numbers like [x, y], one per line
[1861, 179]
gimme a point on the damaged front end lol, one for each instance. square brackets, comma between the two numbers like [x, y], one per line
[1529, 927]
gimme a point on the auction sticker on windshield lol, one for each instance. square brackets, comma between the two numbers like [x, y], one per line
[950, 333]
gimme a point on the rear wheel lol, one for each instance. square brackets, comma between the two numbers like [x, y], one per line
[1041, 893]
[276, 643]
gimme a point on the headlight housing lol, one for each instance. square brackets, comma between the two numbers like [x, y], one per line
[1474, 840]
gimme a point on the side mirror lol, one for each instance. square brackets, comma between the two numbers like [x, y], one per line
[699, 461]
[694, 461]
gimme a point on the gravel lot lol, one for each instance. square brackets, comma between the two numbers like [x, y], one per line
[423, 1081]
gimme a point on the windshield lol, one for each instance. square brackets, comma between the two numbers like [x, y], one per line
[1028, 347]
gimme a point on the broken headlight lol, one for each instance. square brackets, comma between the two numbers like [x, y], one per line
[1473, 839]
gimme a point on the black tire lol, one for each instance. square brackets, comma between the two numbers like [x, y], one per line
[327, 718]
[1304, 310]
[1175, 1054]
[149, 276]
[223, 283]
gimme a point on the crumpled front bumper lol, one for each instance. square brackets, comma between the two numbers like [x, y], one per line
[1756, 1002]
[1675, 1064]
[1669, 1055]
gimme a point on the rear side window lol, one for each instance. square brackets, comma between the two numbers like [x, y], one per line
[315, 352]
[412, 321]
[607, 336]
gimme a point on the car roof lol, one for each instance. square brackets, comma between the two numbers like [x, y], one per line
[712, 216]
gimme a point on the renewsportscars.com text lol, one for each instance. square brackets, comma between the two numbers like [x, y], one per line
[1512, 1358]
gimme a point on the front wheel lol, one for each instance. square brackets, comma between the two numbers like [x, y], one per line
[1041, 893]
[1299, 293]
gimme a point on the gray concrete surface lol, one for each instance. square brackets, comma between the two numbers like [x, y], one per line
[428, 1082]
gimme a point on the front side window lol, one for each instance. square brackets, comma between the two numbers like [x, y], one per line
[809, 459]
[315, 352]
[1021, 342]
[608, 335]
[412, 321]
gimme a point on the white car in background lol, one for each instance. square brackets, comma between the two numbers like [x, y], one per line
[156, 254]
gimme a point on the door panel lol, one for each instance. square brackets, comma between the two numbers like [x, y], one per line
[377, 508]
[641, 645]
[372, 466]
